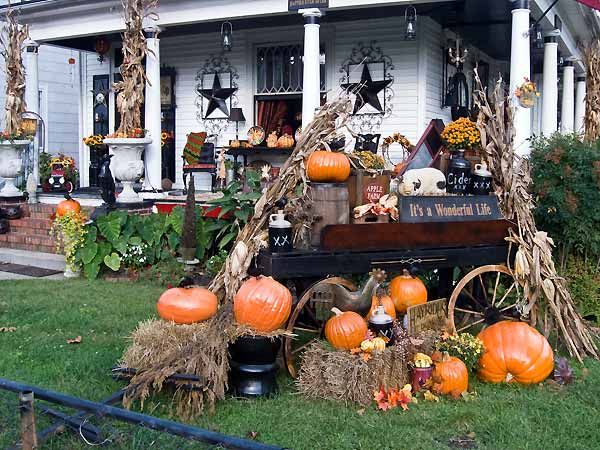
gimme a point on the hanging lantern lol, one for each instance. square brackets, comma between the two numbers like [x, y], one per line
[227, 36]
[538, 38]
[102, 47]
[410, 16]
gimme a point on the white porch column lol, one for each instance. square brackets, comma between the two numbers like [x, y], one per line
[520, 68]
[152, 159]
[580, 88]
[550, 90]
[567, 115]
[32, 96]
[311, 85]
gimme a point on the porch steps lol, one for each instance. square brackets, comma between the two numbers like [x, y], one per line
[35, 259]
[32, 231]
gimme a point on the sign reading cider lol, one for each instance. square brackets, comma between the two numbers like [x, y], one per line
[295, 5]
[448, 209]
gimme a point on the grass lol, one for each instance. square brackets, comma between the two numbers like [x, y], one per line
[46, 314]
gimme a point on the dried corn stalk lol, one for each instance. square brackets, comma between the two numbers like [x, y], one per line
[12, 39]
[130, 91]
[547, 299]
[592, 97]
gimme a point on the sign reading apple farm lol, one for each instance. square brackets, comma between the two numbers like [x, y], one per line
[295, 5]
[448, 209]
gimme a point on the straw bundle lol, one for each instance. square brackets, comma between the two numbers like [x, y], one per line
[12, 39]
[548, 301]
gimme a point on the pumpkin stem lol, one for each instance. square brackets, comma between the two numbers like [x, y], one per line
[336, 311]
[406, 273]
[68, 196]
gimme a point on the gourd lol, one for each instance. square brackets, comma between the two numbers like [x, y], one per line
[514, 352]
[450, 375]
[285, 141]
[272, 140]
[370, 345]
[406, 291]
[386, 302]
[68, 205]
[262, 303]
[346, 330]
[187, 305]
[327, 167]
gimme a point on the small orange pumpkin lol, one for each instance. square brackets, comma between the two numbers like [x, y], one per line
[262, 303]
[346, 330]
[514, 352]
[406, 291]
[399, 168]
[450, 375]
[187, 305]
[68, 205]
[327, 167]
[386, 302]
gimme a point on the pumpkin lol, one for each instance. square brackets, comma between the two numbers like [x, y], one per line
[187, 305]
[378, 344]
[406, 291]
[262, 303]
[346, 330]
[285, 141]
[399, 168]
[514, 352]
[450, 375]
[327, 167]
[272, 140]
[68, 205]
[386, 302]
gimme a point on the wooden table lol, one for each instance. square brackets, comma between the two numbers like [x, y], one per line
[236, 152]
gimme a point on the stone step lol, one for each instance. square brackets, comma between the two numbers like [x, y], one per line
[45, 260]
[29, 247]
[22, 238]
[32, 222]
[30, 231]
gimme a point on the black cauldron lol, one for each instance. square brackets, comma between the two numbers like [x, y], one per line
[4, 226]
[253, 366]
[13, 212]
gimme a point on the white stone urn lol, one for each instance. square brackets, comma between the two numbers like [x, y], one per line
[11, 165]
[127, 164]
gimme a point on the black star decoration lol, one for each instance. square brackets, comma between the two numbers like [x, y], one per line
[367, 91]
[216, 97]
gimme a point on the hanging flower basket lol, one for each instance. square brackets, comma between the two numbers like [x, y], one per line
[527, 100]
[527, 94]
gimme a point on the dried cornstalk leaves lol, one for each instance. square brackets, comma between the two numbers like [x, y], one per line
[130, 91]
[591, 56]
[11, 40]
[548, 300]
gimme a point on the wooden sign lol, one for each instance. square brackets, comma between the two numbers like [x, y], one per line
[448, 209]
[428, 316]
[295, 5]
[364, 188]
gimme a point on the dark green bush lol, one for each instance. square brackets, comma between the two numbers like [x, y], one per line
[566, 186]
[584, 284]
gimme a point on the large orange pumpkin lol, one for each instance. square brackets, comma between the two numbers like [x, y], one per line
[327, 167]
[515, 352]
[406, 291]
[187, 305]
[386, 302]
[346, 330]
[68, 205]
[450, 376]
[262, 303]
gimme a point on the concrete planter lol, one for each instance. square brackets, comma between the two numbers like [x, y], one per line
[11, 165]
[127, 164]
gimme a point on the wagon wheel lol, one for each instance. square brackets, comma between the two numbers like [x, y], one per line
[305, 322]
[483, 297]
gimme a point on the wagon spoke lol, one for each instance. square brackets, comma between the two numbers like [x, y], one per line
[496, 288]
[303, 346]
[471, 324]
[472, 297]
[308, 330]
[483, 288]
[507, 308]
[468, 311]
[506, 294]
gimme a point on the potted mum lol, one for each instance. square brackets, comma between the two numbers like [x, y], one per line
[13, 139]
[130, 140]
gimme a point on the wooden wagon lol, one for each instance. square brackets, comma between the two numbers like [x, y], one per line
[469, 258]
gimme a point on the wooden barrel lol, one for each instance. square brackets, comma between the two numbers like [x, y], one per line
[330, 207]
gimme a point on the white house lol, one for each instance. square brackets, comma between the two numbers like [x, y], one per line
[282, 61]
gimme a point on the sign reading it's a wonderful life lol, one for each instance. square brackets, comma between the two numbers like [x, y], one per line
[448, 209]
[295, 5]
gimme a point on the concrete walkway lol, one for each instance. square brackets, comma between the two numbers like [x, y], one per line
[15, 276]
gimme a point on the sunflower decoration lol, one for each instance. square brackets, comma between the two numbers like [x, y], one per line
[165, 137]
[94, 140]
[461, 134]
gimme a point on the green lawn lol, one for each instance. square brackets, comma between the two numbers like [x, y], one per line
[46, 314]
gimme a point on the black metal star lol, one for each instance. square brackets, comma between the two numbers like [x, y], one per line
[367, 91]
[216, 97]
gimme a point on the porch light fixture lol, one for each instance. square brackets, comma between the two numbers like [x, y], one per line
[410, 16]
[227, 36]
[538, 38]
[102, 47]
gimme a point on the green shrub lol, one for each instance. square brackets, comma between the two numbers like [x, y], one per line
[566, 182]
[584, 284]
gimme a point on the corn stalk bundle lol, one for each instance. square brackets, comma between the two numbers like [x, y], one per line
[130, 91]
[547, 299]
[592, 97]
[12, 40]
[159, 349]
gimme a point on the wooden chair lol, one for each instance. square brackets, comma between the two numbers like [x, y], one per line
[199, 156]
